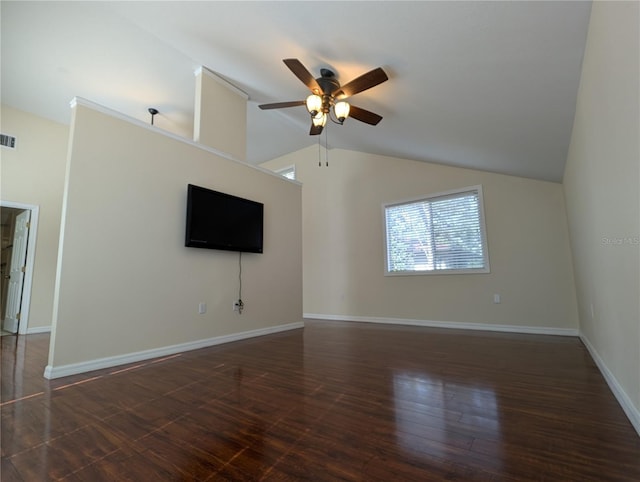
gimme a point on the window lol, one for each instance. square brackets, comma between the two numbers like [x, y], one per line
[442, 233]
[288, 172]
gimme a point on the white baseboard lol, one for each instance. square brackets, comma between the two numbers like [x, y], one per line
[38, 329]
[532, 330]
[51, 372]
[632, 412]
[623, 399]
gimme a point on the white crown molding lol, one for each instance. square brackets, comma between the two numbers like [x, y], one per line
[205, 71]
[51, 372]
[457, 325]
[80, 101]
[76, 101]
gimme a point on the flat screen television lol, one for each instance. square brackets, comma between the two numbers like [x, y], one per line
[216, 220]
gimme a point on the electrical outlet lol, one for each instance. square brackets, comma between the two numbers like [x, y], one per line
[202, 308]
[235, 306]
[496, 299]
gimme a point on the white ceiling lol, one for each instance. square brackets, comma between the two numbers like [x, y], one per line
[484, 84]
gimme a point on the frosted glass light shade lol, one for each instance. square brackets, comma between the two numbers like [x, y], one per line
[320, 119]
[314, 104]
[341, 110]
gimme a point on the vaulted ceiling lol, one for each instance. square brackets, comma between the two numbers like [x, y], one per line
[487, 85]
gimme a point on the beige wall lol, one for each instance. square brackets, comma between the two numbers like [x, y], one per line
[33, 174]
[343, 245]
[602, 186]
[220, 115]
[126, 282]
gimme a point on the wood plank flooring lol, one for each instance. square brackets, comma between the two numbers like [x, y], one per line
[332, 401]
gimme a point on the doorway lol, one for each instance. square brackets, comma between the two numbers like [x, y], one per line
[19, 223]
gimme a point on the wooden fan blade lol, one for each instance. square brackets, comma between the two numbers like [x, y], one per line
[315, 130]
[364, 115]
[282, 105]
[303, 74]
[362, 83]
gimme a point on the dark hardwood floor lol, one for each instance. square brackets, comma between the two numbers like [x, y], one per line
[332, 401]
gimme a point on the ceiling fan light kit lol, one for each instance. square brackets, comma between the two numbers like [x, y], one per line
[341, 109]
[314, 104]
[319, 120]
[327, 96]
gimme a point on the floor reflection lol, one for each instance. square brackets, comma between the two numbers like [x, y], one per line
[13, 351]
[434, 416]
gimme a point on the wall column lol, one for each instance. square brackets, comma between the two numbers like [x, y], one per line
[220, 115]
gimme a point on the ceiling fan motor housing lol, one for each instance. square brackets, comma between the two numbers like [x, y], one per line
[328, 83]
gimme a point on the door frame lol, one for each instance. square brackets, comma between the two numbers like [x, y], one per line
[25, 303]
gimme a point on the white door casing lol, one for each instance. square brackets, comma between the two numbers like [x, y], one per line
[17, 271]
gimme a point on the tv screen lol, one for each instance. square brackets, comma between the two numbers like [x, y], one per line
[216, 220]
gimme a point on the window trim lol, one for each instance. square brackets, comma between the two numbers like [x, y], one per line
[483, 233]
[283, 170]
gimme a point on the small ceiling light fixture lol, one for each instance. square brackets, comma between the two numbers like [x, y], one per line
[153, 112]
[326, 103]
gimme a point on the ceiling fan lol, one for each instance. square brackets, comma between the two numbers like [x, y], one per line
[327, 96]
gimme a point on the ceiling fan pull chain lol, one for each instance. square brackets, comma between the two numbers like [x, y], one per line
[319, 155]
[326, 147]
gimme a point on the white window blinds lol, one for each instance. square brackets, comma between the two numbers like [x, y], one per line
[439, 233]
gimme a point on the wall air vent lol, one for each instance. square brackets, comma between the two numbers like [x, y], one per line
[7, 141]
